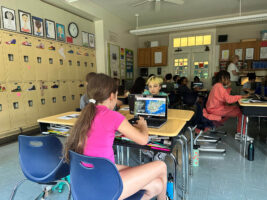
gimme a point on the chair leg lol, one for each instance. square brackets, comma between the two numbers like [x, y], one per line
[15, 189]
[66, 182]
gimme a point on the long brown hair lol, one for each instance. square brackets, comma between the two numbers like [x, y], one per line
[99, 88]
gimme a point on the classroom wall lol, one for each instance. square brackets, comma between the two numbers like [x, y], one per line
[39, 82]
[234, 32]
[43, 10]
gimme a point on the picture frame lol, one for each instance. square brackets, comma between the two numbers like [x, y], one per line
[38, 26]
[9, 18]
[25, 22]
[60, 32]
[91, 40]
[85, 39]
[50, 30]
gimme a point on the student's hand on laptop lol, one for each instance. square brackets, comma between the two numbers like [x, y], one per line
[141, 124]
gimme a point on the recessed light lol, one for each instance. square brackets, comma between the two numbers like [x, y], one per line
[71, 1]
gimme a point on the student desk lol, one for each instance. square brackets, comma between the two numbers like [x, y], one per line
[174, 125]
[251, 110]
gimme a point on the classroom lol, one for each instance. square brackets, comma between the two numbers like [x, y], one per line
[133, 99]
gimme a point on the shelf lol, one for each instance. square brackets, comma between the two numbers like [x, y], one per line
[249, 70]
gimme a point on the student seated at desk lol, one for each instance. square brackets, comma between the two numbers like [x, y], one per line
[251, 86]
[176, 79]
[94, 132]
[138, 86]
[196, 83]
[154, 85]
[189, 96]
[218, 99]
[168, 85]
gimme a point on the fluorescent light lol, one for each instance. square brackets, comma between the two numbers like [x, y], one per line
[71, 1]
[200, 24]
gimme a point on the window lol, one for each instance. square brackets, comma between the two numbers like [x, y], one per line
[192, 41]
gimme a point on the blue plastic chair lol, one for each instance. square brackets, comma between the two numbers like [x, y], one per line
[41, 161]
[102, 181]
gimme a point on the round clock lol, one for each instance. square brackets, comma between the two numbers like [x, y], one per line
[73, 30]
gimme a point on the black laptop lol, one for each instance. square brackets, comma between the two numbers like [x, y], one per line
[152, 108]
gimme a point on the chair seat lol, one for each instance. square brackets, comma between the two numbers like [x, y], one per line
[136, 196]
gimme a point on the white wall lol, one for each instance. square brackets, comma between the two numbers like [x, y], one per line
[46, 11]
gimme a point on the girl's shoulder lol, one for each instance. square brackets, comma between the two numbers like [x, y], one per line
[163, 94]
[146, 92]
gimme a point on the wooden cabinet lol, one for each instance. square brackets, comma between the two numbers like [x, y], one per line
[144, 57]
[152, 57]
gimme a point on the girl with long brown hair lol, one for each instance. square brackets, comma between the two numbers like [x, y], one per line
[94, 132]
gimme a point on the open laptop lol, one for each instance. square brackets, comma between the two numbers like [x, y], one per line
[152, 108]
[200, 85]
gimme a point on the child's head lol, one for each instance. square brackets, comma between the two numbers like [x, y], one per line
[154, 84]
[223, 77]
[251, 77]
[25, 17]
[168, 77]
[138, 86]
[117, 81]
[235, 59]
[9, 15]
[176, 78]
[88, 76]
[100, 89]
[183, 81]
[196, 79]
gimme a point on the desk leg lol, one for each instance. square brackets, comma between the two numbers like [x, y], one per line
[191, 151]
[122, 155]
[175, 175]
[128, 155]
[246, 134]
[186, 163]
[183, 167]
[118, 154]
[242, 124]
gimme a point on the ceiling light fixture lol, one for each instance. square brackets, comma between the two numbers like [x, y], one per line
[200, 24]
[71, 1]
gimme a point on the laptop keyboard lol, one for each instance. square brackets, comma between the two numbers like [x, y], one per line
[154, 123]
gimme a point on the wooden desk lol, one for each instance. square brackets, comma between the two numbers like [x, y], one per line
[55, 119]
[249, 110]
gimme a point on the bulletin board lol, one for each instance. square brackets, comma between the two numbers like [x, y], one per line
[114, 60]
[129, 64]
[122, 63]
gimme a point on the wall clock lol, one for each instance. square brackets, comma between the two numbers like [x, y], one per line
[73, 29]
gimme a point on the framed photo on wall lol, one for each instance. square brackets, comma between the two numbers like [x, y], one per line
[38, 26]
[85, 39]
[50, 30]
[9, 19]
[61, 32]
[25, 24]
[91, 40]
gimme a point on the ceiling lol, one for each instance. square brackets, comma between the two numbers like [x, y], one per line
[190, 10]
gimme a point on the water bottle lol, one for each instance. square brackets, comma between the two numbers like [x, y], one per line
[195, 156]
[170, 186]
[251, 151]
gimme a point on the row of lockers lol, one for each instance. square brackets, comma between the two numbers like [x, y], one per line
[29, 58]
[21, 104]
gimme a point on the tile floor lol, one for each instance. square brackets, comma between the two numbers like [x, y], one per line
[229, 177]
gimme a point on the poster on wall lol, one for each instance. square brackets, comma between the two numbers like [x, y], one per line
[239, 53]
[25, 24]
[114, 60]
[91, 40]
[263, 53]
[225, 54]
[50, 29]
[129, 63]
[9, 19]
[60, 32]
[38, 26]
[249, 53]
[122, 62]
[85, 39]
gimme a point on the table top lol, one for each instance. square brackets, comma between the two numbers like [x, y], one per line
[263, 104]
[203, 90]
[171, 128]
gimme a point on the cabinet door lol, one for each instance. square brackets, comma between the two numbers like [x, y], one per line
[143, 57]
[159, 56]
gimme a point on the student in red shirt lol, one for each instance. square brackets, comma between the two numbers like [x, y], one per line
[220, 98]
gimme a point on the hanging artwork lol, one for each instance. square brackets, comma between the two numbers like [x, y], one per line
[85, 39]
[9, 19]
[114, 60]
[91, 40]
[129, 63]
[38, 26]
[60, 32]
[25, 22]
[50, 29]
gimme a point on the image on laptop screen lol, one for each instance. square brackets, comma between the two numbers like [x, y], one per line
[150, 106]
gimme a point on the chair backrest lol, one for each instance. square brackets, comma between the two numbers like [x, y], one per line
[39, 155]
[94, 178]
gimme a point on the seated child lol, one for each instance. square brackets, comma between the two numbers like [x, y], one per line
[250, 86]
[189, 96]
[220, 97]
[168, 85]
[84, 99]
[94, 132]
[138, 86]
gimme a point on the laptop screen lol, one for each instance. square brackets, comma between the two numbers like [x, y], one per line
[155, 107]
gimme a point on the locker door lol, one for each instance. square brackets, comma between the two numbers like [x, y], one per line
[54, 97]
[27, 58]
[11, 56]
[52, 58]
[16, 95]
[70, 62]
[74, 95]
[65, 97]
[3, 69]
[4, 112]
[40, 59]
[61, 61]
[43, 101]
[79, 63]
[85, 62]
[92, 64]
[31, 103]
